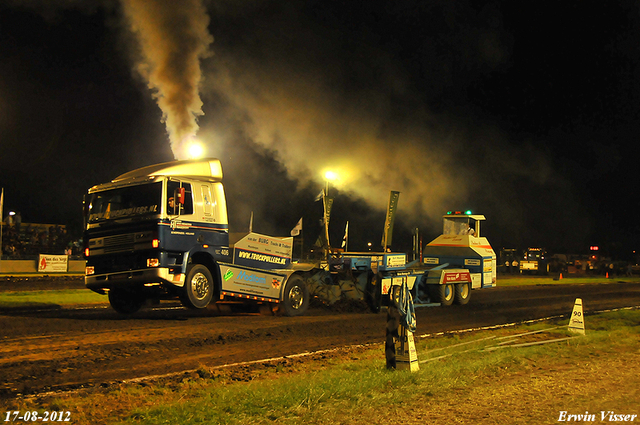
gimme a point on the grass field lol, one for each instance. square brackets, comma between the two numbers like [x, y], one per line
[49, 298]
[482, 377]
[523, 280]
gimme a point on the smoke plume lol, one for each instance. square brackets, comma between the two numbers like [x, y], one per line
[319, 97]
[173, 38]
[320, 103]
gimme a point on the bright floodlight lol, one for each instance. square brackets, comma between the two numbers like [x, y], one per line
[196, 150]
[330, 175]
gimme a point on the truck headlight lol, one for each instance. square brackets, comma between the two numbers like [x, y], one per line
[153, 262]
[89, 270]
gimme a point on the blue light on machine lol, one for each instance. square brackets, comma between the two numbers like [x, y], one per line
[467, 212]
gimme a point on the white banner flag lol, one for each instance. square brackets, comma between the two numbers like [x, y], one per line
[296, 230]
[346, 237]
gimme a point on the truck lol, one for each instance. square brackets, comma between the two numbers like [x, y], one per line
[161, 232]
[451, 265]
[534, 261]
[462, 246]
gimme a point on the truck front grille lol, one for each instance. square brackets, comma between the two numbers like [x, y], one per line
[119, 243]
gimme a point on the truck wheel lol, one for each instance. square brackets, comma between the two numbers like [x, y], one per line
[463, 293]
[296, 297]
[442, 294]
[125, 302]
[198, 288]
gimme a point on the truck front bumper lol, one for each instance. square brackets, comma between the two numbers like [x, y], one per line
[143, 277]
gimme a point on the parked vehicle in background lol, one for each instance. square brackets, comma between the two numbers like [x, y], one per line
[534, 261]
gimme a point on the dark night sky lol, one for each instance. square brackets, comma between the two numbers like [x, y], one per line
[527, 112]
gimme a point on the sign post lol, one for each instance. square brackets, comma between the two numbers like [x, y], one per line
[576, 324]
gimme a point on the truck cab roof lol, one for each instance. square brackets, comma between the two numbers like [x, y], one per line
[476, 217]
[210, 169]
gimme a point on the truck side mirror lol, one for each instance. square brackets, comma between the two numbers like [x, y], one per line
[180, 195]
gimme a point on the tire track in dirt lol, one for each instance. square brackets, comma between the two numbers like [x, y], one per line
[67, 348]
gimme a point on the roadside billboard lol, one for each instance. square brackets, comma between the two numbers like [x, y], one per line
[53, 263]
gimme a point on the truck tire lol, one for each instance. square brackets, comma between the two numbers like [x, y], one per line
[462, 293]
[125, 302]
[198, 288]
[295, 300]
[442, 294]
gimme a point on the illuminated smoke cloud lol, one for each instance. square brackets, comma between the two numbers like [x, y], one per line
[173, 37]
[316, 112]
[318, 102]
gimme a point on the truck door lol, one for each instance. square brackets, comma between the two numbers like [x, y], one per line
[179, 198]
[207, 202]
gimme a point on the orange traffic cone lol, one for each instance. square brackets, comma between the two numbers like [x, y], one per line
[607, 275]
[560, 278]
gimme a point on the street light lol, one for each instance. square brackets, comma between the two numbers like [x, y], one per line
[329, 176]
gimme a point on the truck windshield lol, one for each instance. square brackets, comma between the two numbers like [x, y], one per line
[125, 202]
[457, 226]
[534, 255]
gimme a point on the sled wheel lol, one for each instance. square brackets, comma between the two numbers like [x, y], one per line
[442, 294]
[463, 293]
[198, 288]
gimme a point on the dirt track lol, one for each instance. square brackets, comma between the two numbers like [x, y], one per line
[66, 348]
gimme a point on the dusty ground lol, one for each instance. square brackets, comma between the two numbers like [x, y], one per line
[537, 393]
[44, 350]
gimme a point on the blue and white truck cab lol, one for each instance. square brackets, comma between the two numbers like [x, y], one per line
[162, 232]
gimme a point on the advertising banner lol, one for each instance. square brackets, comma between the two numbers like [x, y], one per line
[263, 252]
[391, 216]
[53, 263]
[251, 284]
[394, 261]
[456, 277]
